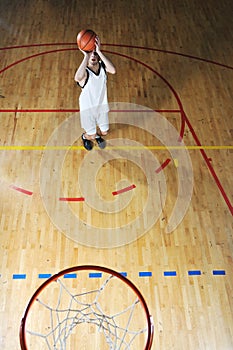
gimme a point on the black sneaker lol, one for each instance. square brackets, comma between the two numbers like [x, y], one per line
[88, 144]
[101, 142]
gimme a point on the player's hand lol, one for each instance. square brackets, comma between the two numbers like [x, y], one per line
[97, 44]
[85, 53]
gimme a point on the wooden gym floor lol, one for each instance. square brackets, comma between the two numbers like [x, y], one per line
[172, 57]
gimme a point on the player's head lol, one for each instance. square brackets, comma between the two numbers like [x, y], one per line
[93, 57]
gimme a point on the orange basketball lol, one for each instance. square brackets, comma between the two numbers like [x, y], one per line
[86, 40]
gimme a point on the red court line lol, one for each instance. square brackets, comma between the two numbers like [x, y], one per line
[125, 46]
[182, 126]
[172, 53]
[167, 161]
[19, 189]
[32, 56]
[209, 165]
[123, 190]
[153, 71]
[145, 110]
[72, 199]
[27, 110]
[35, 45]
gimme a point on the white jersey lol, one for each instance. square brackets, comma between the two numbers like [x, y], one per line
[93, 98]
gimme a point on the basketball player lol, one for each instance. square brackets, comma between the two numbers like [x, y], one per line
[92, 78]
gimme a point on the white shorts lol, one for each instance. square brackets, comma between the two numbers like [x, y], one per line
[89, 123]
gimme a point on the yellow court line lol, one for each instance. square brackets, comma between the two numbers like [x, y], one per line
[45, 148]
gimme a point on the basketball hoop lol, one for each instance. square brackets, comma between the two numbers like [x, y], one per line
[88, 307]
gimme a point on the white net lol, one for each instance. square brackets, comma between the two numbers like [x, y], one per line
[105, 314]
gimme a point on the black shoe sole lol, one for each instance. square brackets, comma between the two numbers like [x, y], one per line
[87, 144]
[101, 142]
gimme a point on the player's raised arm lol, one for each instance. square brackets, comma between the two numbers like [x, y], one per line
[81, 73]
[110, 68]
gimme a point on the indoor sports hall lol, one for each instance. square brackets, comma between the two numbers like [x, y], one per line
[129, 246]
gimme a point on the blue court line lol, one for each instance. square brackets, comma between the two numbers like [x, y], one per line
[95, 274]
[219, 272]
[70, 275]
[19, 276]
[145, 274]
[44, 275]
[99, 274]
[194, 272]
[124, 274]
[169, 273]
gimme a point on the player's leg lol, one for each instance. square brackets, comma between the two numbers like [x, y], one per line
[89, 125]
[103, 124]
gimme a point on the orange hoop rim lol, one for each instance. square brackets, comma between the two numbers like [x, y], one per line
[22, 332]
